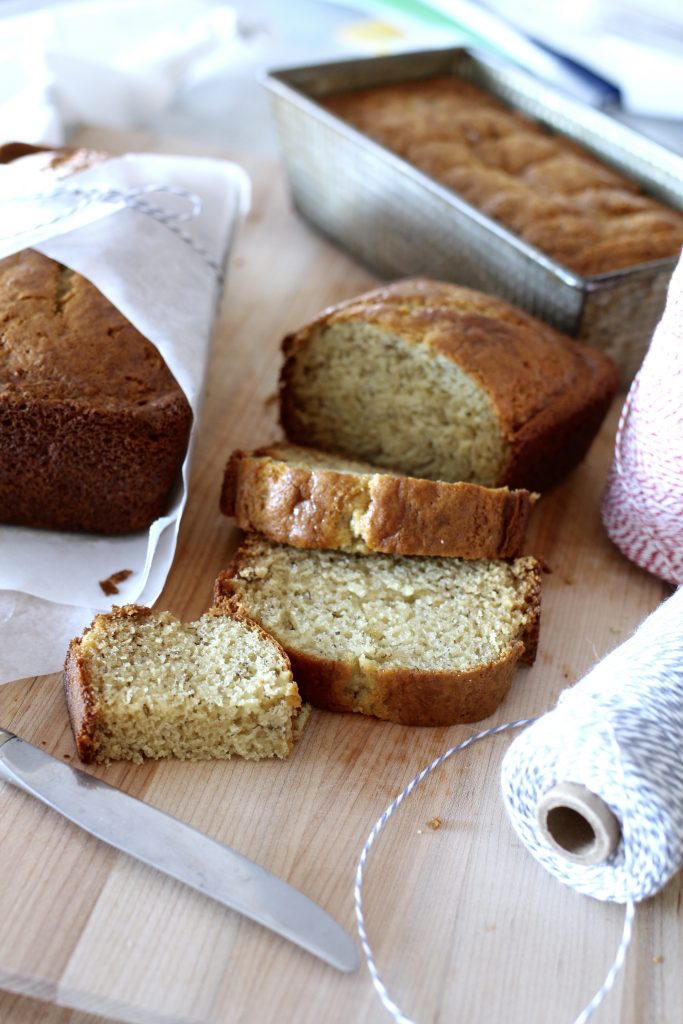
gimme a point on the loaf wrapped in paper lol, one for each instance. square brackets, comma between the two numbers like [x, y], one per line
[149, 235]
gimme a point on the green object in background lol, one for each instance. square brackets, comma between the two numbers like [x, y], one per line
[428, 17]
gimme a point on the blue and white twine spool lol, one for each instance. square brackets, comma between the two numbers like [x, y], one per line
[619, 732]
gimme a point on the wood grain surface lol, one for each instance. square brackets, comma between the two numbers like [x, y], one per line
[464, 923]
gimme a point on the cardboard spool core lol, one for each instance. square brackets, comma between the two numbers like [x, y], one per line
[578, 824]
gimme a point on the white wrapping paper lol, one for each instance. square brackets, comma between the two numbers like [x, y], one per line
[152, 233]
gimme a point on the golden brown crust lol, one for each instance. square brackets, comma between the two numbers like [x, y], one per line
[315, 508]
[514, 170]
[10, 151]
[290, 504]
[95, 427]
[550, 392]
[80, 698]
[80, 703]
[58, 163]
[403, 695]
[424, 517]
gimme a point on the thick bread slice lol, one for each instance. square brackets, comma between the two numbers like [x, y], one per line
[311, 499]
[143, 684]
[420, 641]
[439, 381]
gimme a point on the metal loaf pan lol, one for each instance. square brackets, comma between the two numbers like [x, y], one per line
[400, 222]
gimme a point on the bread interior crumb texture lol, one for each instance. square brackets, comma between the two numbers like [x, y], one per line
[314, 458]
[433, 614]
[207, 689]
[401, 406]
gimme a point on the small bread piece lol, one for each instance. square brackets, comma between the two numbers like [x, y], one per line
[312, 499]
[143, 684]
[446, 383]
[419, 641]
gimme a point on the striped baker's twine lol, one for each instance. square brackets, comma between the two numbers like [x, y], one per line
[131, 199]
[642, 506]
[645, 541]
[379, 985]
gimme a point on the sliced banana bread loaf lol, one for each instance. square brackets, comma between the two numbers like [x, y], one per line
[439, 381]
[312, 499]
[143, 684]
[420, 641]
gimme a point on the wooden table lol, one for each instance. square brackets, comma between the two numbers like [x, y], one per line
[464, 924]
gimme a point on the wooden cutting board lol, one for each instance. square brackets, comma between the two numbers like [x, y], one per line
[463, 922]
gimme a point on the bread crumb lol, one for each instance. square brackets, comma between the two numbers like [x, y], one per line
[658, 959]
[253, 572]
[434, 824]
[615, 629]
[569, 578]
[419, 831]
[109, 586]
[272, 399]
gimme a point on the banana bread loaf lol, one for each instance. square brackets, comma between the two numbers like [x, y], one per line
[442, 382]
[544, 187]
[94, 425]
[419, 641]
[142, 684]
[311, 499]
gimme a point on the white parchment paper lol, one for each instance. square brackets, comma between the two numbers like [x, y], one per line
[152, 233]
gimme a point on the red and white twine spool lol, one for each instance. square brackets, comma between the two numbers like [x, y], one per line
[642, 506]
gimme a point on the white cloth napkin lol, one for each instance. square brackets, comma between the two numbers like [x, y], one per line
[152, 233]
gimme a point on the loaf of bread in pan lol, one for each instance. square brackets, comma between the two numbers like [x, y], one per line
[312, 499]
[143, 684]
[543, 186]
[94, 425]
[446, 383]
[419, 641]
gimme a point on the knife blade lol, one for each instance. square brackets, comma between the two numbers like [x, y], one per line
[176, 849]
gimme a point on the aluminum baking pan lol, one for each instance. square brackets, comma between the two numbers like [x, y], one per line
[399, 221]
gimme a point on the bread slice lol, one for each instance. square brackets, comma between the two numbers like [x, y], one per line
[312, 499]
[446, 383]
[420, 641]
[143, 684]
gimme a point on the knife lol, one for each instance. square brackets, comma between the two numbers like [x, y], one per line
[176, 849]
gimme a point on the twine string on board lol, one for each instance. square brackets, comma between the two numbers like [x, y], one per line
[380, 987]
[170, 216]
[618, 732]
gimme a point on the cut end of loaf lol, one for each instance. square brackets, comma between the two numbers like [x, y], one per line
[365, 391]
[421, 641]
[442, 382]
[141, 684]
